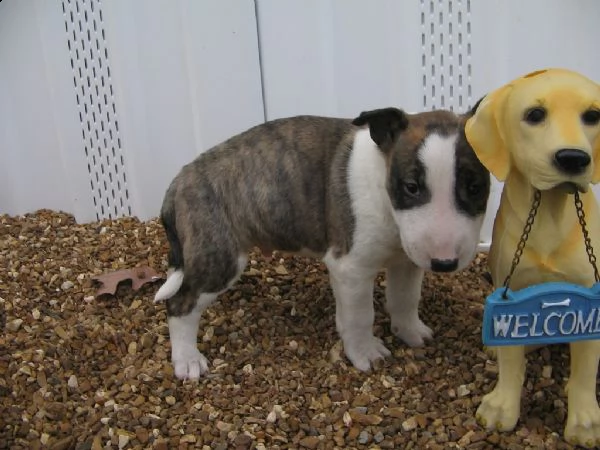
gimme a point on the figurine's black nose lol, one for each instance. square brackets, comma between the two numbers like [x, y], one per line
[444, 265]
[571, 161]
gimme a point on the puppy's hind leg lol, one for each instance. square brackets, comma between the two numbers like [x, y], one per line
[403, 292]
[184, 311]
[352, 287]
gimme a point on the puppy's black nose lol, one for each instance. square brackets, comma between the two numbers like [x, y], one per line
[571, 161]
[444, 265]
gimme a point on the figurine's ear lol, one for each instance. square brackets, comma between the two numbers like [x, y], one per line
[384, 125]
[484, 132]
[596, 150]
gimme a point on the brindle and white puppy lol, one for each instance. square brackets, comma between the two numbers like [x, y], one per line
[388, 189]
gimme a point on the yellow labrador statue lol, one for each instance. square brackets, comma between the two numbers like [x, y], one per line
[541, 132]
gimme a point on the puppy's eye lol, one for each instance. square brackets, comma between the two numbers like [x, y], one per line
[535, 116]
[474, 188]
[591, 117]
[411, 188]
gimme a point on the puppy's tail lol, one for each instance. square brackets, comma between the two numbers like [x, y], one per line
[175, 277]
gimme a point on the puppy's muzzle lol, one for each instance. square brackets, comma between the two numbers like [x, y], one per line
[444, 265]
[571, 161]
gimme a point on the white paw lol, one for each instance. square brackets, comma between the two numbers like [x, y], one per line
[413, 333]
[583, 426]
[499, 411]
[363, 352]
[189, 363]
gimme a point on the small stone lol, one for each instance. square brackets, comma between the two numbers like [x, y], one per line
[247, 369]
[310, 442]
[147, 340]
[462, 390]
[378, 437]
[67, 285]
[132, 348]
[224, 426]
[72, 382]
[123, 440]
[281, 270]
[547, 372]
[364, 437]
[409, 424]
[396, 412]
[35, 314]
[14, 325]
[170, 400]
[293, 345]
[188, 439]
[347, 418]
[61, 333]
[44, 438]
[272, 417]
[242, 441]
[365, 419]
[142, 435]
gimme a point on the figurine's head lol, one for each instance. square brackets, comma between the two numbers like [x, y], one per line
[545, 124]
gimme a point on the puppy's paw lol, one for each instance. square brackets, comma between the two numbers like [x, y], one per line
[189, 364]
[499, 411]
[413, 333]
[583, 426]
[363, 352]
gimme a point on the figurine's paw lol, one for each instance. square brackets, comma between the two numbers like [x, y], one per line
[413, 333]
[583, 426]
[498, 411]
[364, 352]
[189, 363]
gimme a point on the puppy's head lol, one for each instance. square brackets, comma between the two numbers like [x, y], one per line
[437, 187]
[546, 125]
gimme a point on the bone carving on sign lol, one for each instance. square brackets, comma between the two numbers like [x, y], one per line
[138, 276]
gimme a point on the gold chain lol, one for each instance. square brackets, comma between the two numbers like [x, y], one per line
[527, 229]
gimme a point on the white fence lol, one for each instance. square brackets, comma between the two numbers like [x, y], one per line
[102, 101]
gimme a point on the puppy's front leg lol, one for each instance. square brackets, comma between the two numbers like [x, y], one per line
[500, 408]
[403, 292]
[583, 416]
[354, 312]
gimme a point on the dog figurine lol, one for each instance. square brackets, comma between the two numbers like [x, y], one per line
[385, 190]
[542, 131]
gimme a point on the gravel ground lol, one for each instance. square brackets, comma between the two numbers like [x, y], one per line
[85, 373]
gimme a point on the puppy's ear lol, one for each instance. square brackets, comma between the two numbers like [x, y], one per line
[473, 110]
[484, 132]
[384, 125]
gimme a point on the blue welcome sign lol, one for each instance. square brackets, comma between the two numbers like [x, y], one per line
[545, 313]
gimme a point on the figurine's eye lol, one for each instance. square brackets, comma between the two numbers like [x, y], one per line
[591, 117]
[411, 188]
[535, 115]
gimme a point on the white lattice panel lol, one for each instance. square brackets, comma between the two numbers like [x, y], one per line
[446, 54]
[93, 90]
